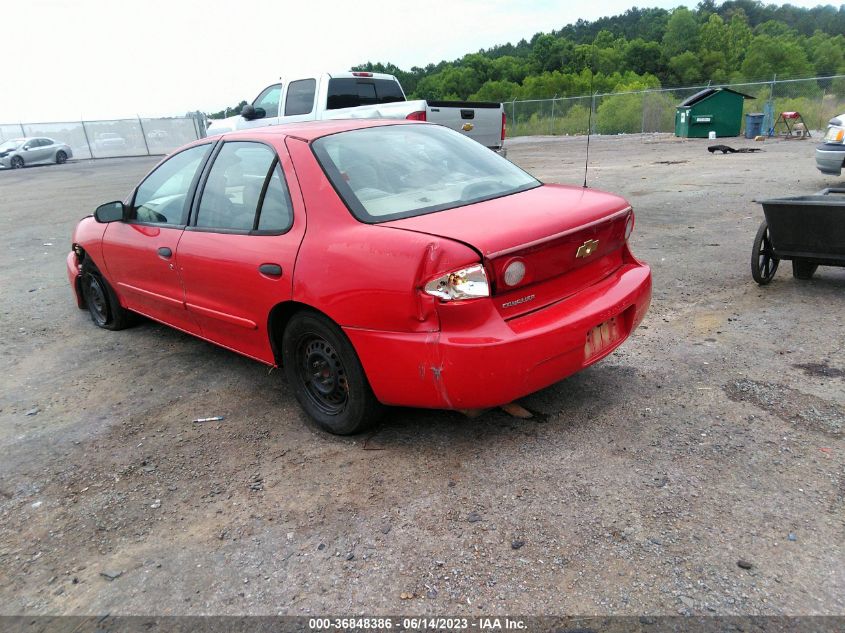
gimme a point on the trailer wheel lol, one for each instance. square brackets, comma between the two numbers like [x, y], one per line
[764, 263]
[803, 269]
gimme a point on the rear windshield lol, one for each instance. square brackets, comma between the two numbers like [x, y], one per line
[352, 92]
[399, 171]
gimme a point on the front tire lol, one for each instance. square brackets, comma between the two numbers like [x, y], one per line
[327, 378]
[61, 157]
[17, 162]
[102, 302]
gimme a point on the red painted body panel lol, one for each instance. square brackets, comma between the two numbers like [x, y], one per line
[415, 349]
[145, 281]
[479, 360]
[362, 275]
[225, 292]
[529, 217]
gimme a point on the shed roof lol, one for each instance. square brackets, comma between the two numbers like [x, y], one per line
[707, 92]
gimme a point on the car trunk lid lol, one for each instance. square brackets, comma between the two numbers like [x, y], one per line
[566, 238]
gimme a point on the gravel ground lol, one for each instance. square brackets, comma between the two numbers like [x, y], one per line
[713, 436]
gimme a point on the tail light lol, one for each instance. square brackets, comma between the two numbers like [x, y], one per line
[419, 115]
[466, 283]
[504, 126]
[360, 74]
[629, 225]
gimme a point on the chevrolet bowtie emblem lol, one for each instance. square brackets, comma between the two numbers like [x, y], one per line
[467, 127]
[587, 248]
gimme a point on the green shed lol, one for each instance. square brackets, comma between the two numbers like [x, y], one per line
[713, 109]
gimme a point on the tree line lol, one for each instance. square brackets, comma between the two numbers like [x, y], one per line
[731, 42]
[735, 41]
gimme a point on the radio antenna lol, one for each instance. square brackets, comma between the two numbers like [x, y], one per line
[589, 128]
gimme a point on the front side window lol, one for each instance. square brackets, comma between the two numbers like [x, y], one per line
[268, 100]
[161, 198]
[398, 171]
[300, 99]
[233, 191]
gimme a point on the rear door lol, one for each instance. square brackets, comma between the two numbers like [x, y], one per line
[299, 101]
[141, 253]
[237, 255]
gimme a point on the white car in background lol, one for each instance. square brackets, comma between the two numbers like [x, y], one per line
[830, 155]
[33, 150]
[110, 141]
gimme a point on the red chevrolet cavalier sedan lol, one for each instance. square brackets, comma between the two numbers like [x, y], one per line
[381, 263]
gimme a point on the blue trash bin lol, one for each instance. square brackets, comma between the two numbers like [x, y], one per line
[753, 124]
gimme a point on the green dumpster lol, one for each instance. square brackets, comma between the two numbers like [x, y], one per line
[716, 110]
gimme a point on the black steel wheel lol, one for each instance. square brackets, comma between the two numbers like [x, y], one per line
[61, 157]
[802, 269]
[764, 263]
[102, 303]
[327, 378]
[17, 162]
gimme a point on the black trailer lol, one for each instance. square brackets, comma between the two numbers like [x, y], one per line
[808, 230]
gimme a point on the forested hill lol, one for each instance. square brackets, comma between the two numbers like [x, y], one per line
[735, 41]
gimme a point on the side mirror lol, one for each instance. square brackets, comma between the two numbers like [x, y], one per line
[110, 212]
[248, 112]
[251, 112]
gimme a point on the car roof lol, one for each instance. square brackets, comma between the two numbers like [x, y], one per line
[310, 130]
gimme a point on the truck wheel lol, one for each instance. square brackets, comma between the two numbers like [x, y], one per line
[327, 378]
[802, 269]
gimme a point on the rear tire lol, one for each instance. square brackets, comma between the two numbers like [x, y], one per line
[327, 378]
[17, 162]
[802, 269]
[61, 157]
[101, 301]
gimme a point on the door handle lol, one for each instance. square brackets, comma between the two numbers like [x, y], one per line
[270, 270]
[165, 252]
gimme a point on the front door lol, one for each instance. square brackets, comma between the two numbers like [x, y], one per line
[268, 101]
[141, 253]
[237, 255]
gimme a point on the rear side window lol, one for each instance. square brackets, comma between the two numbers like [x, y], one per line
[276, 212]
[160, 199]
[245, 191]
[300, 99]
[353, 91]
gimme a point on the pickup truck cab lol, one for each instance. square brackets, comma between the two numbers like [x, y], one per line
[363, 95]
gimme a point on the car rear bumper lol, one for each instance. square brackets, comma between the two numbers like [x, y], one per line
[479, 360]
[829, 158]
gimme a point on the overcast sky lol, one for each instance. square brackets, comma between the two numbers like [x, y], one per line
[73, 59]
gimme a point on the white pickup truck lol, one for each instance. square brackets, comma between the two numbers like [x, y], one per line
[363, 95]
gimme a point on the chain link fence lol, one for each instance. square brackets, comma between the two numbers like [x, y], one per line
[114, 138]
[818, 99]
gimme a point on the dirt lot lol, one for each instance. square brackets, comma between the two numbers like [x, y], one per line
[715, 434]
